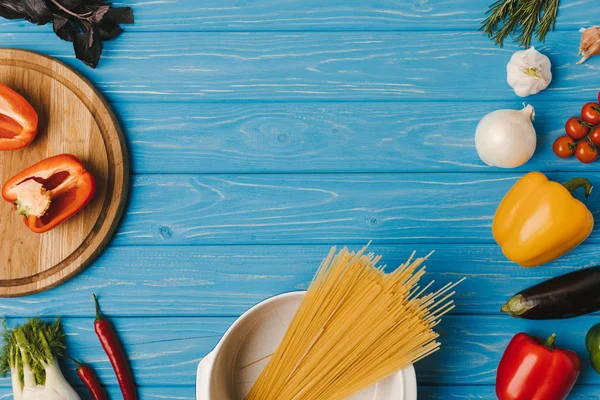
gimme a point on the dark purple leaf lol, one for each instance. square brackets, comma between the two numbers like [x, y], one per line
[11, 9]
[86, 23]
[37, 11]
[71, 4]
[99, 14]
[88, 47]
[109, 31]
[64, 28]
[119, 15]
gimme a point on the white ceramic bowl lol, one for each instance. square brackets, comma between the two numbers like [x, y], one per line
[225, 373]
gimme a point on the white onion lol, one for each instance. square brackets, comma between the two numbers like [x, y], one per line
[506, 138]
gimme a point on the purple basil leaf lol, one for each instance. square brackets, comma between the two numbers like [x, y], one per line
[71, 4]
[37, 11]
[11, 9]
[119, 15]
[64, 28]
[99, 14]
[109, 31]
[86, 23]
[88, 47]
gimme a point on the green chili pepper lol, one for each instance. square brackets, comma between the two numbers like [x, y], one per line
[592, 343]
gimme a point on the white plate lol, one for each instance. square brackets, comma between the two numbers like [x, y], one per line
[225, 373]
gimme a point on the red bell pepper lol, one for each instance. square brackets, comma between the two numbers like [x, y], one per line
[533, 370]
[50, 192]
[18, 120]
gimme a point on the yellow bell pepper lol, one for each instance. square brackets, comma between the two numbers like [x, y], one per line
[539, 220]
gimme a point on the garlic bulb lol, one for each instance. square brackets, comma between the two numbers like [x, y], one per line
[506, 138]
[528, 72]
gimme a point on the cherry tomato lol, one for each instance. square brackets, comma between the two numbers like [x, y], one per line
[564, 147]
[598, 97]
[576, 128]
[595, 136]
[586, 152]
[591, 113]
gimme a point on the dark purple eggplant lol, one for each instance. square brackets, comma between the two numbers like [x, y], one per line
[566, 296]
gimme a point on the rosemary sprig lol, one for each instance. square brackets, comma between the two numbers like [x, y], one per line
[524, 18]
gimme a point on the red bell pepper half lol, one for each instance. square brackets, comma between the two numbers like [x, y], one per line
[18, 120]
[50, 192]
[533, 370]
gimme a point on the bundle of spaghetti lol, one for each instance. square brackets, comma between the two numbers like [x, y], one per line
[355, 326]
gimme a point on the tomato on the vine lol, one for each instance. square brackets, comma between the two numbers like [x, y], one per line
[590, 112]
[564, 147]
[586, 152]
[595, 136]
[576, 128]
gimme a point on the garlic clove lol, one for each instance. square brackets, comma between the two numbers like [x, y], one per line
[588, 37]
[591, 51]
[590, 43]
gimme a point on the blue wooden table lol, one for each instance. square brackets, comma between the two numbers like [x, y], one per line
[262, 132]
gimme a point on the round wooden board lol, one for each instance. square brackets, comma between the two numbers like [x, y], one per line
[73, 118]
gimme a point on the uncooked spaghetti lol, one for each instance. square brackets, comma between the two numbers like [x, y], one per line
[355, 326]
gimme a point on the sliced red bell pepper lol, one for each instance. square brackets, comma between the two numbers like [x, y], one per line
[50, 192]
[533, 370]
[18, 120]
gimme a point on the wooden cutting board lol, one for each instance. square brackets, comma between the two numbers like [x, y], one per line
[73, 118]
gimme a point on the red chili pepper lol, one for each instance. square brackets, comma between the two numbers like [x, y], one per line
[113, 349]
[50, 192]
[18, 120]
[88, 377]
[533, 370]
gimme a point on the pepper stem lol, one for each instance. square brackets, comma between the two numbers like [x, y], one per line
[576, 183]
[78, 365]
[550, 342]
[98, 313]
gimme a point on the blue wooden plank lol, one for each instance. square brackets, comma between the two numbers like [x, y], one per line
[314, 15]
[319, 208]
[472, 347]
[113, 392]
[327, 137]
[328, 66]
[163, 352]
[166, 351]
[425, 392]
[236, 135]
[489, 393]
[196, 281]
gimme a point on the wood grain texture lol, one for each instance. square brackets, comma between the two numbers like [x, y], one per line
[472, 347]
[73, 119]
[326, 66]
[319, 208]
[425, 392]
[328, 100]
[195, 281]
[311, 15]
[152, 393]
[327, 137]
[165, 351]
[488, 392]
